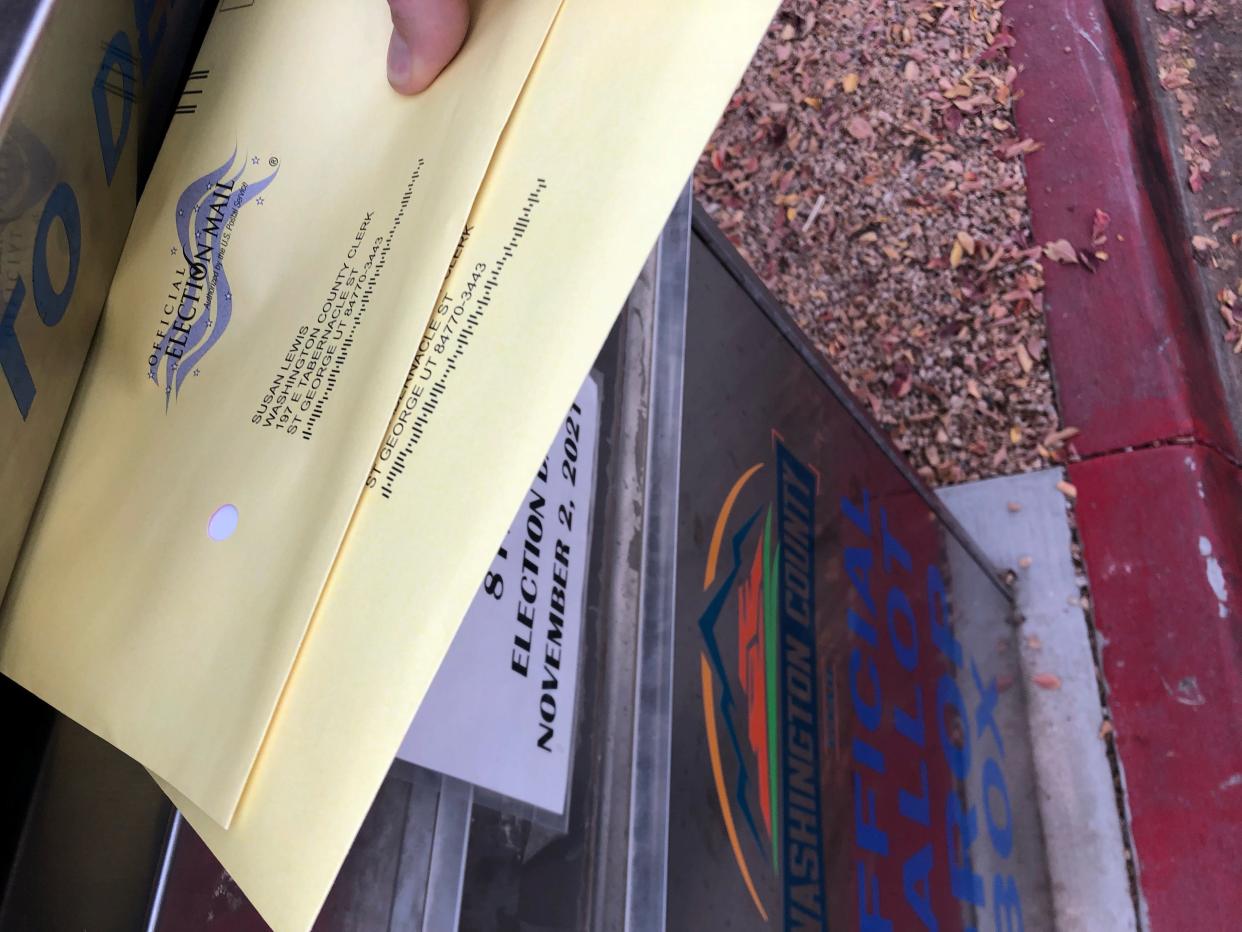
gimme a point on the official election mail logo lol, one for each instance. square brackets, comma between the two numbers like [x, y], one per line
[199, 303]
[757, 667]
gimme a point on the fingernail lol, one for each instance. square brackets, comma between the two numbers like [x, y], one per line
[399, 61]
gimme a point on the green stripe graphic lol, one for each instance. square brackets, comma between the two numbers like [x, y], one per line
[770, 564]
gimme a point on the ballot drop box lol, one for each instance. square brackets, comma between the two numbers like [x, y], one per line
[778, 688]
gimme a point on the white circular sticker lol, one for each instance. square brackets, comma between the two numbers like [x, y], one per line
[222, 523]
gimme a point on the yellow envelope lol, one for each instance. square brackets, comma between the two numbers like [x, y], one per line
[603, 138]
[272, 294]
[68, 175]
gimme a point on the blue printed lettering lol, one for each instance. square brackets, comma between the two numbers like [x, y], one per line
[892, 548]
[1006, 905]
[937, 603]
[869, 835]
[911, 726]
[985, 714]
[118, 57]
[962, 826]
[958, 758]
[858, 562]
[867, 755]
[62, 205]
[869, 894]
[1001, 835]
[907, 651]
[915, 874]
[859, 517]
[12, 359]
[916, 808]
[863, 628]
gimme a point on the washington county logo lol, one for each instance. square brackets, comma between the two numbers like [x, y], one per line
[199, 304]
[757, 667]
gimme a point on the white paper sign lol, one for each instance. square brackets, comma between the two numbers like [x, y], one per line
[500, 711]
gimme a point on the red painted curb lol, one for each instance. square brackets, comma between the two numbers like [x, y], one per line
[1159, 533]
[1135, 366]
[1132, 361]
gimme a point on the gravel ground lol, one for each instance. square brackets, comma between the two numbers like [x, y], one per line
[869, 170]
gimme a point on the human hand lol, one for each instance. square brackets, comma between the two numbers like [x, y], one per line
[426, 34]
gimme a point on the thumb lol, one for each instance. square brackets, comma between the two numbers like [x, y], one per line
[426, 34]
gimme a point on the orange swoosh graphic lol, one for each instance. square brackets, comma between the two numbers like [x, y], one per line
[713, 747]
[721, 520]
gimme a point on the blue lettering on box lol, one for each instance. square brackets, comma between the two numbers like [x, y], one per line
[803, 880]
[971, 790]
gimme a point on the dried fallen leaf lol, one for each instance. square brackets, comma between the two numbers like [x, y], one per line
[819, 205]
[1024, 359]
[1203, 243]
[1014, 508]
[1106, 728]
[1069, 490]
[973, 104]
[849, 83]
[1099, 224]
[955, 255]
[1022, 147]
[1058, 437]
[1046, 680]
[1024, 563]
[912, 70]
[967, 241]
[858, 127]
[1061, 251]
[1174, 78]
